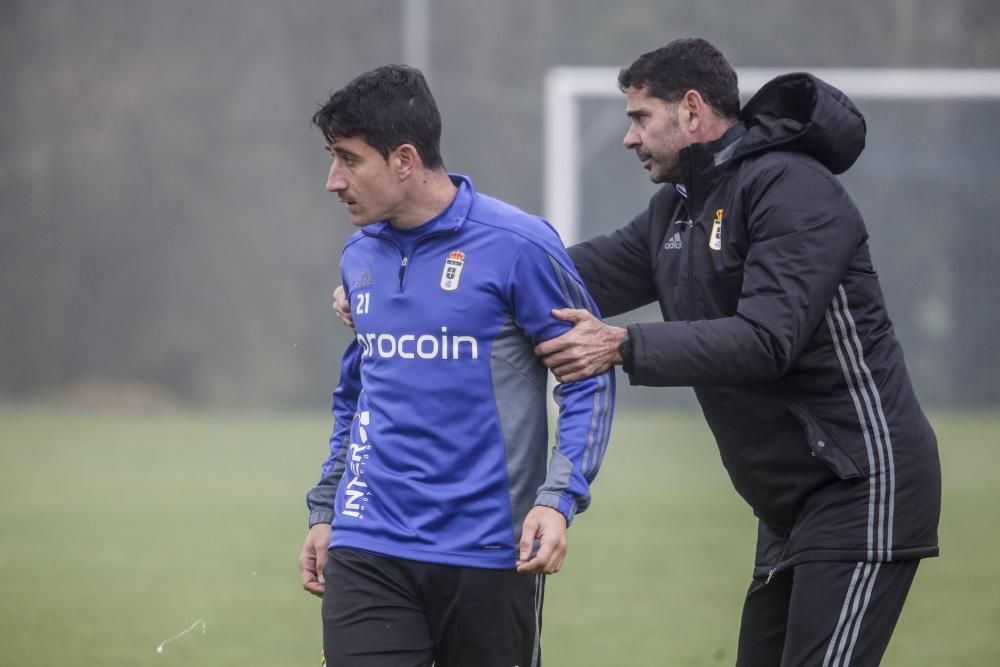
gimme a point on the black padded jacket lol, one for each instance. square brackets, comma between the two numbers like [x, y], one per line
[774, 314]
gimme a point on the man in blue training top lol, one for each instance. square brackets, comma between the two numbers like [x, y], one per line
[437, 515]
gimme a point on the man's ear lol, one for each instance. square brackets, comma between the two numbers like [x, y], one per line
[404, 160]
[694, 110]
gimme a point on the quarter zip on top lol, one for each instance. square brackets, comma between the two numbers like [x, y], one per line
[405, 259]
[402, 271]
[413, 251]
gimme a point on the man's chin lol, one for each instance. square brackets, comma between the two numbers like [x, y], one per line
[660, 177]
[361, 222]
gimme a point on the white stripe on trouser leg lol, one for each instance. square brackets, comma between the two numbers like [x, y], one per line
[843, 614]
[856, 601]
[861, 616]
[536, 649]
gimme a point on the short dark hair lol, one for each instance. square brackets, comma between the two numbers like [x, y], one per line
[387, 107]
[683, 65]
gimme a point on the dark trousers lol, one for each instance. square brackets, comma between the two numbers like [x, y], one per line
[381, 611]
[824, 614]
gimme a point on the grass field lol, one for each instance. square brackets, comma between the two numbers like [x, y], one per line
[120, 531]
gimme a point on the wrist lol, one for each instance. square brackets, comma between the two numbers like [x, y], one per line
[625, 352]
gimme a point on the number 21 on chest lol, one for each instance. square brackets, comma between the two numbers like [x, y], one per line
[363, 300]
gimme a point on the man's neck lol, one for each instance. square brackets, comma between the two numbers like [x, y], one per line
[714, 130]
[431, 192]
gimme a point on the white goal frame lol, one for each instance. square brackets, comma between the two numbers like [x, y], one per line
[566, 86]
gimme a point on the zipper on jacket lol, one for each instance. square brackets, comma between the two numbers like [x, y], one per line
[413, 251]
[692, 313]
[405, 259]
[770, 575]
[402, 270]
[689, 242]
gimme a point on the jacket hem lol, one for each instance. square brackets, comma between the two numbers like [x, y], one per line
[492, 561]
[840, 555]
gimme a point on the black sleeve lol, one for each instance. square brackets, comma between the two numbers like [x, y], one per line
[803, 231]
[616, 267]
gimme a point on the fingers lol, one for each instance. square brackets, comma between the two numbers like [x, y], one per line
[589, 348]
[314, 587]
[308, 573]
[548, 560]
[564, 363]
[528, 533]
[342, 307]
[568, 366]
[312, 559]
[549, 527]
[571, 314]
[567, 376]
[552, 346]
[322, 554]
[583, 325]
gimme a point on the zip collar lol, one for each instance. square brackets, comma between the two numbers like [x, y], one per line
[703, 162]
[451, 219]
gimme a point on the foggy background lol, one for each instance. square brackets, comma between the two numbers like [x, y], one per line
[163, 221]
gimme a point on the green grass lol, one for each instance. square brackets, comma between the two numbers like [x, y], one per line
[118, 531]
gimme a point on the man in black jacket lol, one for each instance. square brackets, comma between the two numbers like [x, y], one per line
[773, 313]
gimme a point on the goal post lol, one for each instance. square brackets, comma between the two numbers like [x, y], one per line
[565, 87]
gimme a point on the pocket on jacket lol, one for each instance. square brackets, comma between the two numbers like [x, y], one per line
[824, 447]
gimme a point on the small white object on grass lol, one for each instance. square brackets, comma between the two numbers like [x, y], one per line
[204, 629]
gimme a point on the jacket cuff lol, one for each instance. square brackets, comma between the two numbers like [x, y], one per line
[565, 506]
[634, 338]
[626, 352]
[320, 516]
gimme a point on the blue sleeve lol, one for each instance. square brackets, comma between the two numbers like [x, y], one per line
[345, 401]
[542, 279]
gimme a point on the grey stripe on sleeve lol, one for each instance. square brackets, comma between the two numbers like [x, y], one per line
[561, 277]
[518, 378]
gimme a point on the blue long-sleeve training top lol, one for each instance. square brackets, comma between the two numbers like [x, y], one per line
[440, 436]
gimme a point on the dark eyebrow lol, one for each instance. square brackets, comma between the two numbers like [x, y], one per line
[637, 113]
[343, 152]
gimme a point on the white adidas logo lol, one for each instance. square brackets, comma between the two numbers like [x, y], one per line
[674, 243]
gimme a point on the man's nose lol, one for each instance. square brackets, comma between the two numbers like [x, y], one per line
[631, 139]
[334, 180]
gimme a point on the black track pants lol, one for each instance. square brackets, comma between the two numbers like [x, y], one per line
[825, 614]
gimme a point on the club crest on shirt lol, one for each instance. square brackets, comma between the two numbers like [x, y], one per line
[452, 270]
[715, 238]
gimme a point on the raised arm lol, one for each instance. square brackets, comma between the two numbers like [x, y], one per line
[804, 232]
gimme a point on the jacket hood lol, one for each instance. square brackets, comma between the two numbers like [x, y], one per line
[800, 112]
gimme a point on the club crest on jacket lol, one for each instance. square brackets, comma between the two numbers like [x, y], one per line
[715, 238]
[452, 270]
